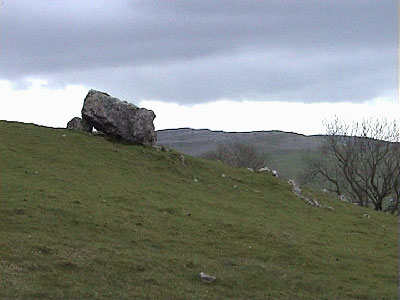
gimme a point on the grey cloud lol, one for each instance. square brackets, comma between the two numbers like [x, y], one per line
[199, 51]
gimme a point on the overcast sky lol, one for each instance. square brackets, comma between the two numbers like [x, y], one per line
[184, 59]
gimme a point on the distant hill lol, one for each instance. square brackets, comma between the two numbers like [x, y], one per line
[285, 150]
[85, 218]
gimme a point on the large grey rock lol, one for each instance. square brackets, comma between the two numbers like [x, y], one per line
[119, 119]
[79, 124]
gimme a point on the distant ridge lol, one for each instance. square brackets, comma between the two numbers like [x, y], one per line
[230, 132]
[285, 150]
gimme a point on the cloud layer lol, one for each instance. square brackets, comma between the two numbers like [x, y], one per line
[200, 51]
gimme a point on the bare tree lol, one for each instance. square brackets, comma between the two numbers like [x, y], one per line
[238, 155]
[362, 160]
[221, 153]
[394, 205]
[322, 170]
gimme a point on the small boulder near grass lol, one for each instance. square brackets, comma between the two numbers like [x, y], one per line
[207, 278]
[79, 124]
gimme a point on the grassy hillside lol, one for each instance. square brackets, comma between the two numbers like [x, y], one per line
[83, 218]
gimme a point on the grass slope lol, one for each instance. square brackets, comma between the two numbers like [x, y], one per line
[83, 218]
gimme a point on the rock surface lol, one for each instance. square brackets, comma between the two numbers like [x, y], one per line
[79, 124]
[297, 191]
[206, 278]
[119, 119]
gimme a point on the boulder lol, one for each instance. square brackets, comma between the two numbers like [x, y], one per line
[79, 124]
[119, 119]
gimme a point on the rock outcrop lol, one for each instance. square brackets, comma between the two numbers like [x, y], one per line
[297, 191]
[119, 119]
[79, 124]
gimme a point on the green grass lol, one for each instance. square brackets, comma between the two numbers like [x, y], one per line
[84, 218]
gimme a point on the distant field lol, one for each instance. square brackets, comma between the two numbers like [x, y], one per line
[84, 218]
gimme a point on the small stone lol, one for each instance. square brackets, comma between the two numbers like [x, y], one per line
[223, 175]
[164, 149]
[97, 133]
[264, 169]
[182, 159]
[275, 173]
[207, 278]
